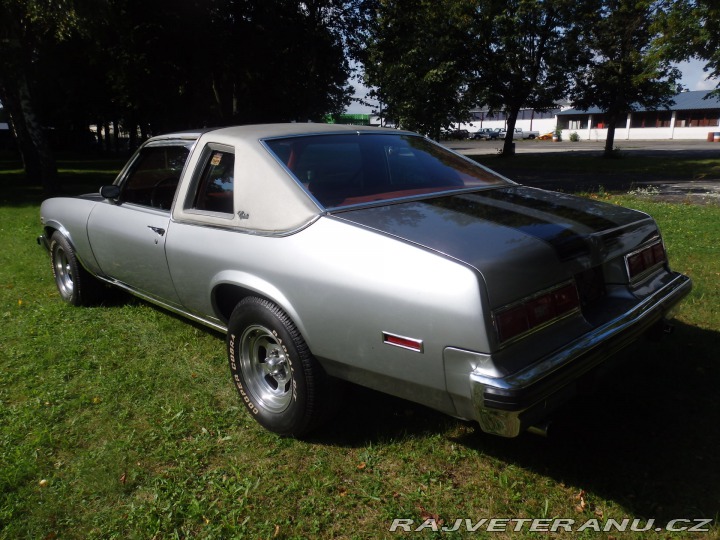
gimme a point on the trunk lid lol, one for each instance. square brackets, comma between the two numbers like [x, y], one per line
[520, 239]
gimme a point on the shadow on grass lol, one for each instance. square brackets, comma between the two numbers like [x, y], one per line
[75, 178]
[586, 172]
[647, 438]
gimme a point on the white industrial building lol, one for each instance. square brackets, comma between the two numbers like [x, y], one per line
[694, 115]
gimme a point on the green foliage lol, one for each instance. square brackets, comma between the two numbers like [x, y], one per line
[706, 42]
[524, 53]
[691, 28]
[432, 61]
[415, 58]
[164, 65]
[624, 66]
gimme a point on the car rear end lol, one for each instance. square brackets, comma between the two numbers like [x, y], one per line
[564, 282]
[568, 282]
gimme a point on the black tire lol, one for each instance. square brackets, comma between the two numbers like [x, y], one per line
[75, 284]
[279, 381]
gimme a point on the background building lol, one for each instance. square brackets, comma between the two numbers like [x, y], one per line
[693, 116]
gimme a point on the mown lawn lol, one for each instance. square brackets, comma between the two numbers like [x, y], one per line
[121, 422]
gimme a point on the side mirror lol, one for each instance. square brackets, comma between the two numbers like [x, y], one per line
[111, 192]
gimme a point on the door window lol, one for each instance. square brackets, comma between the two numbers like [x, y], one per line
[154, 176]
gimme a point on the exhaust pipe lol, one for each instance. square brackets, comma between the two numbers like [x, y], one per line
[542, 430]
[660, 330]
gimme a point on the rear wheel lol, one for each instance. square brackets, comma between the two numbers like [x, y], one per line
[279, 381]
[75, 284]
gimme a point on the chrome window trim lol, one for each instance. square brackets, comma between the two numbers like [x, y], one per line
[253, 232]
[188, 207]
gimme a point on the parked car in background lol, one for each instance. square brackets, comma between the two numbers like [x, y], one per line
[459, 134]
[485, 133]
[330, 252]
[519, 133]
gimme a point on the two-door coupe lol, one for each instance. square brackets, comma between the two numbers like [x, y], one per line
[370, 255]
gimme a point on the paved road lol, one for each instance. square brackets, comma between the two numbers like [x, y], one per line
[704, 191]
[694, 147]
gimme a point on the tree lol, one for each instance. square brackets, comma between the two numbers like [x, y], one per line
[415, 58]
[432, 61]
[699, 21]
[626, 68]
[523, 54]
[300, 75]
[159, 65]
[25, 26]
[707, 39]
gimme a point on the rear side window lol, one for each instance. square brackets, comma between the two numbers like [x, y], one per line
[154, 176]
[216, 183]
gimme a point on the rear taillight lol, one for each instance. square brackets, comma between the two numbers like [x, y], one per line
[536, 311]
[643, 261]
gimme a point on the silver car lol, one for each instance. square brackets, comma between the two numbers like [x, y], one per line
[373, 256]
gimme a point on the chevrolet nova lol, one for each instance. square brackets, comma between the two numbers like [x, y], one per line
[372, 256]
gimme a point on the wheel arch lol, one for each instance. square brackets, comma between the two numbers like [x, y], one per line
[230, 288]
[51, 227]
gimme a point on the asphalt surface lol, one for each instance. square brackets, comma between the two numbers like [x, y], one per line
[701, 191]
[687, 148]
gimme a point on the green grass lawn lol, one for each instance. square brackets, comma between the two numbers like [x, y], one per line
[121, 422]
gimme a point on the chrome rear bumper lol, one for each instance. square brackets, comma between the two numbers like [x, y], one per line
[509, 405]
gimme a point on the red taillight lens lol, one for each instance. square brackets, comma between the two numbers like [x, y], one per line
[639, 262]
[634, 264]
[534, 311]
[659, 253]
[566, 298]
[512, 322]
[540, 310]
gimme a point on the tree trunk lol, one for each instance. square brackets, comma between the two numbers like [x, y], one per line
[610, 139]
[132, 137]
[38, 160]
[106, 129]
[116, 136]
[510, 133]
[98, 133]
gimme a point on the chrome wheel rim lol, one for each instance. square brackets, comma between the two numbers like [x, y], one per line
[63, 273]
[265, 368]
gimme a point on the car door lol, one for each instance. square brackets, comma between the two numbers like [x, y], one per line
[128, 235]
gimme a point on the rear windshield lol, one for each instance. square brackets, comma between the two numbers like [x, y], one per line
[343, 170]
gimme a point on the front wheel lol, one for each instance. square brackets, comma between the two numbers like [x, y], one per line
[75, 284]
[279, 381]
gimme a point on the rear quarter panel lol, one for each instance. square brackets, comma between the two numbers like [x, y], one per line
[343, 286]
